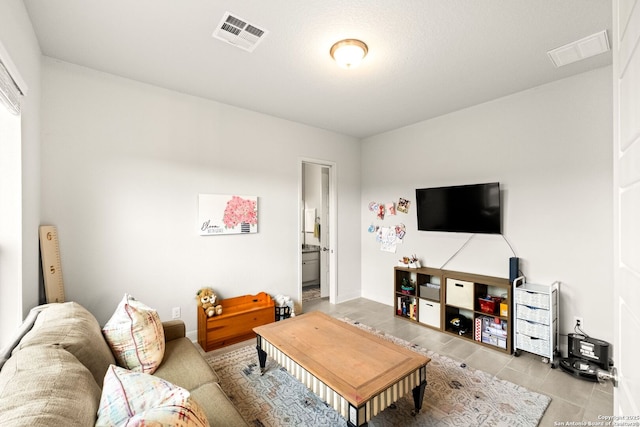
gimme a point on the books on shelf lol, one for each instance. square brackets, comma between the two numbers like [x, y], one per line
[407, 307]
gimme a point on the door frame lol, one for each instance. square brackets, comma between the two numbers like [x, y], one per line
[333, 226]
[626, 191]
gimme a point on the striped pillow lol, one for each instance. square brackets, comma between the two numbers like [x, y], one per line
[135, 335]
[136, 399]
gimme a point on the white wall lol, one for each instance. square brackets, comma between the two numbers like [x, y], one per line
[124, 164]
[18, 39]
[550, 148]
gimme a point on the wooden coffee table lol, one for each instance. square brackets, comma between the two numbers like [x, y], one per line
[357, 373]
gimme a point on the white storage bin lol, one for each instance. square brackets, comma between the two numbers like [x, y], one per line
[532, 299]
[494, 340]
[460, 293]
[429, 313]
[532, 344]
[533, 314]
[533, 329]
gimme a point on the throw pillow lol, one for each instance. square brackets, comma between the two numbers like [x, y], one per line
[136, 399]
[135, 335]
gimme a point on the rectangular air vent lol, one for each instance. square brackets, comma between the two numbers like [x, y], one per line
[239, 32]
[584, 48]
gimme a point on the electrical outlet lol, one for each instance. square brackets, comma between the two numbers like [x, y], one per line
[578, 322]
[175, 313]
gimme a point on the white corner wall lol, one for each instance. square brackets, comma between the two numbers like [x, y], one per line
[123, 164]
[550, 148]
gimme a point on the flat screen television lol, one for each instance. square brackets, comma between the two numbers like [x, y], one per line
[464, 208]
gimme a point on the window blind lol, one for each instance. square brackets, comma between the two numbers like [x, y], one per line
[9, 92]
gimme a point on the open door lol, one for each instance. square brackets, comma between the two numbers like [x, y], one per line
[318, 178]
[325, 236]
[626, 181]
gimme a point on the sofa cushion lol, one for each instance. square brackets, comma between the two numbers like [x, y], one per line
[173, 329]
[218, 408]
[136, 336]
[47, 386]
[72, 327]
[183, 365]
[138, 399]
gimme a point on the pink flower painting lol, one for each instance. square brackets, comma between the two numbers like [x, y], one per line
[239, 211]
[220, 214]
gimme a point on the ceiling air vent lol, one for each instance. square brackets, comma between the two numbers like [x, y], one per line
[581, 49]
[239, 32]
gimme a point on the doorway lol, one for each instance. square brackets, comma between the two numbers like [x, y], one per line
[317, 231]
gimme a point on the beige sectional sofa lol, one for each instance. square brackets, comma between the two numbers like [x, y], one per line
[52, 374]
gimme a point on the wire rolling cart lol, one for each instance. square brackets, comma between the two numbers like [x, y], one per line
[536, 320]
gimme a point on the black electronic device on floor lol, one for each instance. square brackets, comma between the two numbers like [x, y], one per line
[588, 358]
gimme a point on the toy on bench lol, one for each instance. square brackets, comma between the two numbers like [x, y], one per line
[207, 299]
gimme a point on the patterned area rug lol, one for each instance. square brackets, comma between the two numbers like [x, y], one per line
[455, 395]
[309, 293]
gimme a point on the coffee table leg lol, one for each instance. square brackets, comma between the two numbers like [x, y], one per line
[355, 415]
[418, 391]
[262, 355]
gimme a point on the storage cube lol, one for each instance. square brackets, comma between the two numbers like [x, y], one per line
[432, 292]
[429, 313]
[460, 293]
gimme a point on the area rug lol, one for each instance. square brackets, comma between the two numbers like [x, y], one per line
[456, 395]
[310, 293]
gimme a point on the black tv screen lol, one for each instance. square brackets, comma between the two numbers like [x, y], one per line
[463, 208]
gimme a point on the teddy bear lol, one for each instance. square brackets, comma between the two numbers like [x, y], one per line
[207, 299]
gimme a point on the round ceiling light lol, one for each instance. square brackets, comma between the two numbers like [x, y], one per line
[349, 53]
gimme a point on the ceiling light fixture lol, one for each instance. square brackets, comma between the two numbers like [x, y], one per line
[349, 53]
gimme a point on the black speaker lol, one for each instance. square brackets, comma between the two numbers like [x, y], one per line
[514, 267]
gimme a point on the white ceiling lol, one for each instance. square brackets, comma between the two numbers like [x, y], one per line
[426, 57]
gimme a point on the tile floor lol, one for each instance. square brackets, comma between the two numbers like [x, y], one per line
[573, 400]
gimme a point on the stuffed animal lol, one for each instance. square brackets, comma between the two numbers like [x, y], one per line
[207, 299]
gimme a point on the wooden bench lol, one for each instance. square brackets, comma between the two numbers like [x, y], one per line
[239, 316]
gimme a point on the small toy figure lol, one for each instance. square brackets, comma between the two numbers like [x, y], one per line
[207, 299]
[460, 324]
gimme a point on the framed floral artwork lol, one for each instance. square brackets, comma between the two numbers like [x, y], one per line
[227, 214]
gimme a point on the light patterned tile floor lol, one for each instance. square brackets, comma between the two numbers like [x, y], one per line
[573, 400]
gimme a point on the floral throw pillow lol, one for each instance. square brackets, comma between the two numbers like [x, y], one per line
[135, 335]
[136, 399]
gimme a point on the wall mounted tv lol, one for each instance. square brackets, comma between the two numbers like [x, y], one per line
[463, 208]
